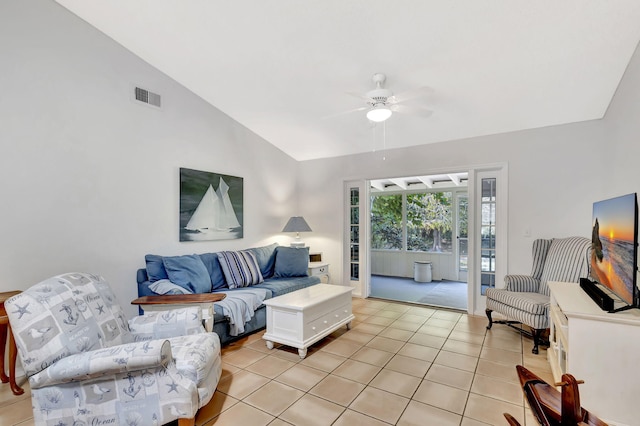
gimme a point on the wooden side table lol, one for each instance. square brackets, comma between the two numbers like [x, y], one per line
[5, 330]
[176, 301]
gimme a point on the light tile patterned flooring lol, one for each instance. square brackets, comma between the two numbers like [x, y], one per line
[399, 364]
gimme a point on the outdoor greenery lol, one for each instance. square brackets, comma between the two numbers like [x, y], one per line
[386, 222]
[429, 221]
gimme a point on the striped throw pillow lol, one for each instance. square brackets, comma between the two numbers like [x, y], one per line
[240, 268]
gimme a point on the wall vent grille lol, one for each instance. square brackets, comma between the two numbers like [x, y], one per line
[147, 97]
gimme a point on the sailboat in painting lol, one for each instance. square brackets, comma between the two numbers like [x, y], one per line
[214, 212]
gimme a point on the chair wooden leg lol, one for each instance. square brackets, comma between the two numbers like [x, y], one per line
[488, 312]
[536, 333]
[187, 422]
[13, 355]
[3, 344]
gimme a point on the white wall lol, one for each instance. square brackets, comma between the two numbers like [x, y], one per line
[555, 174]
[398, 263]
[89, 180]
[551, 182]
[620, 150]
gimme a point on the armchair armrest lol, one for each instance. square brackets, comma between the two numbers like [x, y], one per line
[105, 361]
[169, 323]
[521, 283]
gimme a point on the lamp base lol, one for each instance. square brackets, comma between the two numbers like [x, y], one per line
[297, 244]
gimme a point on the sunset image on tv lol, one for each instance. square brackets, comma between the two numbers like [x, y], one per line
[613, 251]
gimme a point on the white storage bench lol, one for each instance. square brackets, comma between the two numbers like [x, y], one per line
[303, 317]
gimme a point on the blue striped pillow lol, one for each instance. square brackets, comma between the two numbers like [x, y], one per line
[240, 268]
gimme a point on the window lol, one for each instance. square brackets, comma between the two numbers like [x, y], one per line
[463, 233]
[488, 234]
[354, 241]
[429, 222]
[386, 222]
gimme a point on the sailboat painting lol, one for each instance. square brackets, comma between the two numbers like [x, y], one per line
[210, 206]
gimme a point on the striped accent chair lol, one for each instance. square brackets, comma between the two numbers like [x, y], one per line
[525, 298]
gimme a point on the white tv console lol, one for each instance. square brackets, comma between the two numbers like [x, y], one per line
[600, 348]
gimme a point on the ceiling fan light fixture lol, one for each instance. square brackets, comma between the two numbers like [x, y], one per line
[379, 114]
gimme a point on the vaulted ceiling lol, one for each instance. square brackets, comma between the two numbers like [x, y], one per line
[284, 68]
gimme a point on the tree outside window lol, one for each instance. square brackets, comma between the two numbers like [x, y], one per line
[386, 222]
[429, 222]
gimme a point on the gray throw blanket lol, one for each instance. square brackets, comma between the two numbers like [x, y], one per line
[239, 306]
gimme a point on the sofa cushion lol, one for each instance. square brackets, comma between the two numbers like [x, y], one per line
[532, 320]
[280, 286]
[240, 268]
[218, 281]
[291, 262]
[188, 272]
[535, 303]
[155, 268]
[266, 257]
[275, 287]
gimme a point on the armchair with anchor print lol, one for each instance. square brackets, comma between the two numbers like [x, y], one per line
[88, 365]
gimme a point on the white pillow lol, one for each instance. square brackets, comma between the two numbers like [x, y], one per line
[167, 287]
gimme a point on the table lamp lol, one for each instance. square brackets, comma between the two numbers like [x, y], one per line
[297, 224]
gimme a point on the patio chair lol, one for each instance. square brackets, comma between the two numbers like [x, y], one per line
[525, 298]
[87, 364]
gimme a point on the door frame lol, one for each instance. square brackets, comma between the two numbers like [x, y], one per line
[476, 303]
[360, 288]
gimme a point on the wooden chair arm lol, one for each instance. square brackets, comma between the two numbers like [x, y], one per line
[178, 299]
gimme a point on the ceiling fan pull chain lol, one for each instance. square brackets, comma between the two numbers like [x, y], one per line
[373, 133]
[384, 140]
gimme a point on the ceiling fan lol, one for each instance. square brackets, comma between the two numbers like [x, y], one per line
[382, 103]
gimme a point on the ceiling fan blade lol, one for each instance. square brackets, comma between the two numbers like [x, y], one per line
[360, 96]
[413, 110]
[419, 92]
[350, 111]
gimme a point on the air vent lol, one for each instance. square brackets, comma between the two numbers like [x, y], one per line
[147, 97]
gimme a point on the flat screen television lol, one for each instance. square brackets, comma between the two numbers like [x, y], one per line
[614, 237]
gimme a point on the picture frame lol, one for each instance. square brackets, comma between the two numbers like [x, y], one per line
[211, 206]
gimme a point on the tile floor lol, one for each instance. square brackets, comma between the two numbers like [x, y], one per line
[399, 364]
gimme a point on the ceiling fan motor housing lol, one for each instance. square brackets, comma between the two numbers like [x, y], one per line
[379, 96]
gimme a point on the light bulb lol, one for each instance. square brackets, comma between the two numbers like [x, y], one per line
[379, 114]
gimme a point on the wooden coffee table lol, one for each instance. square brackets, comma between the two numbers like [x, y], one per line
[303, 317]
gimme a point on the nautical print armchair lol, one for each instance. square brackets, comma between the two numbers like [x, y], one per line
[88, 365]
[526, 298]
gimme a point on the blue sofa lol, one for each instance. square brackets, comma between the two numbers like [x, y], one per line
[280, 277]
